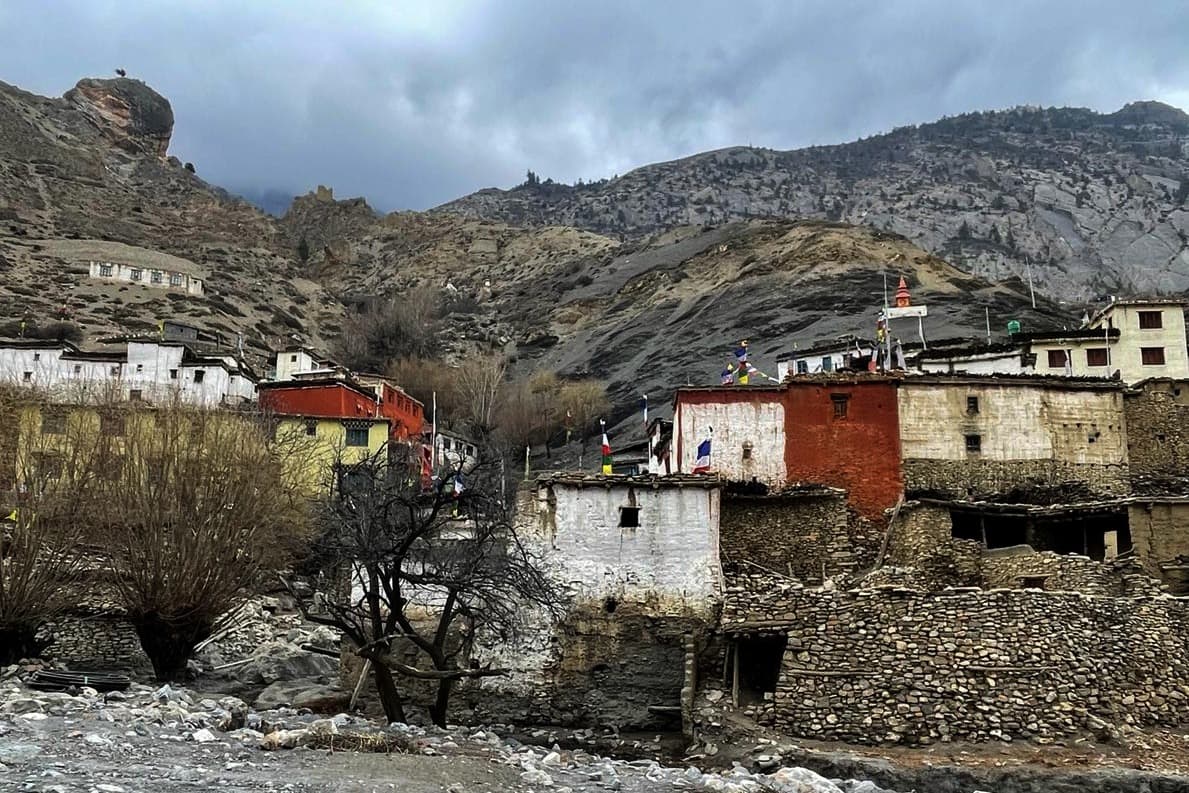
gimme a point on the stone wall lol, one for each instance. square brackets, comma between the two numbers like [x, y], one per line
[892, 665]
[1009, 568]
[1159, 533]
[638, 595]
[99, 641]
[1158, 436]
[1031, 434]
[799, 534]
[1014, 480]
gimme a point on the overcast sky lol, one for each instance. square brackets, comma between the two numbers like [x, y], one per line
[413, 104]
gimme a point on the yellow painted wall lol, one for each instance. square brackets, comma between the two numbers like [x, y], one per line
[327, 446]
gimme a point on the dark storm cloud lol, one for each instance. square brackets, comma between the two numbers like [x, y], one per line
[414, 104]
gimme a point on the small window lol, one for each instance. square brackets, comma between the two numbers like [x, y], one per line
[629, 517]
[471, 450]
[1096, 356]
[971, 405]
[827, 364]
[37, 356]
[1032, 581]
[111, 425]
[1150, 320]
[747, 450]
[357, 436]
[292, 359]
[802, 367]
[1152, 356]
[105, 270]
[53, 423]
[139, 368]
[78, 368]
[840, 402]
[311, 427]
[199, 375]
[175, 279]
[1057, 359]
[974, 443]
[173, 374]
[134, 273]
[135, 394]
[446, 444]
[27, 377]
[157, 277]
[115, 371]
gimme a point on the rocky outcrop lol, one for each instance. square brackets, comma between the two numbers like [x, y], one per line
[128, 112]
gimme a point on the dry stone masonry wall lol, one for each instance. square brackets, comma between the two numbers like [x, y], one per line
[902, 666]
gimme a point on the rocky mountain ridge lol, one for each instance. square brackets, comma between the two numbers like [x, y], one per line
[89, 175]
[1083, 203]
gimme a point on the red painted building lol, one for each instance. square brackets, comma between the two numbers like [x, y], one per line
[339, 397]
[845, 432]
[405, 414]
[322, 398]
[837, 430]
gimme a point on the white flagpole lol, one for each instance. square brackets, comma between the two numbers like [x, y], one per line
[433, 440]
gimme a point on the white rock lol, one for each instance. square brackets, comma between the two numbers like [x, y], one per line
[553, 758]
[536, 777]
[203, 736]
[799, 780]
[109, 788]
[323, 727]
[96, 740]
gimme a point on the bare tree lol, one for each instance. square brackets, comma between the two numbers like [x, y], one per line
[390, 329]
[51, 464]
[197, 504]
[479, 380]
[423, 567]
[534, 411]
[582, 402]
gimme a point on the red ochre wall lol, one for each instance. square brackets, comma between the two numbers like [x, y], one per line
[860, 452]
[327, 401]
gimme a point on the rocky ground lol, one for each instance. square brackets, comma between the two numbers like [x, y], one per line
[170, 739]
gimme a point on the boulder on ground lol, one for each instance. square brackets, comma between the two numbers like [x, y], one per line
[303, 694]
[280, 660]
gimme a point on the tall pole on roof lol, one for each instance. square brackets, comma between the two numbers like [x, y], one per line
[1028, 268]
[433, 437]
[887, 325]
[988, 310]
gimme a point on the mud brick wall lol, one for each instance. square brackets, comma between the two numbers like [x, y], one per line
[1158, 436]
[892, 665]
[1005, 479]
[800, 536]
[1159, 532]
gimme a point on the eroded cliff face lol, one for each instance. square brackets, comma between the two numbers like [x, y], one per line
[128, 112]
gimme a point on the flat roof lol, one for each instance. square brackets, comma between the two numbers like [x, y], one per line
[656, 481]
[1138, 301]
[1074, 333]
[1047, 381]
[323, 382]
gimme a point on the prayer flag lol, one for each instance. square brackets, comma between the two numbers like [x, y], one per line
[741, 352]
[702, 464]
[606, 448]
[728, 375]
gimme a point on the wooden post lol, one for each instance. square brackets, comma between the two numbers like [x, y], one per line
[735, 675]
[367, 665]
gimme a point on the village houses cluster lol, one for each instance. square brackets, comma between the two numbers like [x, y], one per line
[962, 541]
